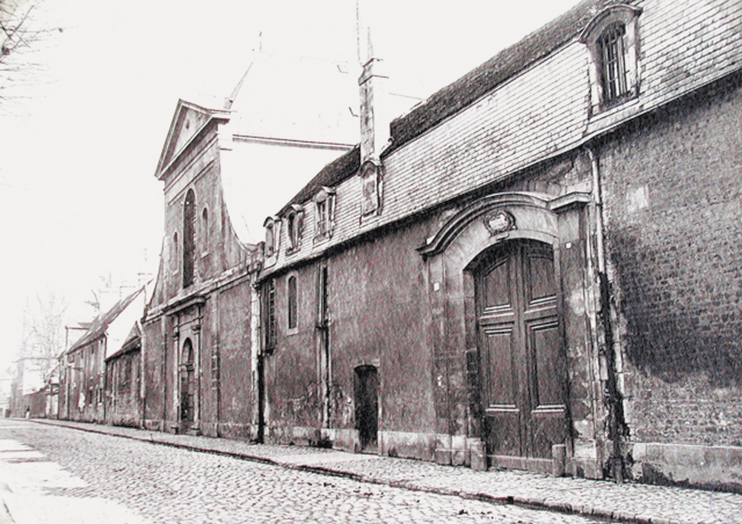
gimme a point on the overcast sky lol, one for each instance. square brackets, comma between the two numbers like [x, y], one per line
[82, 128]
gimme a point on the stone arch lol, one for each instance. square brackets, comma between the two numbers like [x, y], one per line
[451, 253]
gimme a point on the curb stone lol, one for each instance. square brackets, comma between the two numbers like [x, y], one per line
[535, 502]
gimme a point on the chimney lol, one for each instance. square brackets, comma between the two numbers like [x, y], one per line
[374, 121]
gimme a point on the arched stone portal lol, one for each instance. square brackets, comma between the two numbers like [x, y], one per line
[513, 339]
[521, 351]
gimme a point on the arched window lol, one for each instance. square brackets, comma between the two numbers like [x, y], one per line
[612, 38]
[612, 62]
[271, 236]
[174, 252]
[294, 227]
[293, 302]
[189, 238]
[205, 229]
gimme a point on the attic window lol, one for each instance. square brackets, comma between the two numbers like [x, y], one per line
[612, 49]
[270, 237]
[324, 211]
[612, 40]
[371, 187]
[294, 228]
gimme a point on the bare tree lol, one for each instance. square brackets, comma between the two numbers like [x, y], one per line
[43, 336]
[20, 31]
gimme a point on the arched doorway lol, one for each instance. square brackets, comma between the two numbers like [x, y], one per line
[520, 342]
[367, 406]
[187, 386]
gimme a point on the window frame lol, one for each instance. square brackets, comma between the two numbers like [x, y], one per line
[272, 236]
[595, 36]
[189, 238]
[270, 327]
[294, 228]
[324, 213]
[292, 303]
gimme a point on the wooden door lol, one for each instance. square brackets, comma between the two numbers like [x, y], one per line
[187, 386]
[522, 354]
[367, 406]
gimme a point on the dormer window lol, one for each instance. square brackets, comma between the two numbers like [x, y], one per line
[371, 187]
[612, 49]
[294, 227]
[612, 39]
[324, 212]
[271, 236]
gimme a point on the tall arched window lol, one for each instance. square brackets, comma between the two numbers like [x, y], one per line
[293, 302]
[205, 229]
[189, 238]
[174, 253]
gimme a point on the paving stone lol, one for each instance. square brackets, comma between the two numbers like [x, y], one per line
[644, 503]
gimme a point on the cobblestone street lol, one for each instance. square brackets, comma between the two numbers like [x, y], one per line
[109, 479]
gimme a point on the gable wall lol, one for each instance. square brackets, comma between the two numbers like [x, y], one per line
[216, 324]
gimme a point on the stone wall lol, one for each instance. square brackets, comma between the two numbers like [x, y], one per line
[123, 401]
[674, 231]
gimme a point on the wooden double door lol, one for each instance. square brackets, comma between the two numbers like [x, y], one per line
[523, 364]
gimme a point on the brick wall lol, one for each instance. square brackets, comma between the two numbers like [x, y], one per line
[674, 230]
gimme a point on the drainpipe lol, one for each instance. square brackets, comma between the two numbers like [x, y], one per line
[612, 395]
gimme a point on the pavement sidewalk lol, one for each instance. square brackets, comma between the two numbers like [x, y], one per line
[625, 503]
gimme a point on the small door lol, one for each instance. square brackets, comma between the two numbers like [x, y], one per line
[522, 353]
[367, 406]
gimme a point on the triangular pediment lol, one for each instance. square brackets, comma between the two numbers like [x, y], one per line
[187, 121]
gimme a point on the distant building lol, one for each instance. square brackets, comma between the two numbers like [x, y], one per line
[82, 371]
[123, 383]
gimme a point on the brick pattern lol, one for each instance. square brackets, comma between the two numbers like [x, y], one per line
[674, 235]
[539, 112]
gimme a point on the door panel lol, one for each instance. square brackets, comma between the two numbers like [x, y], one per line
[498, 298]
[545, 342]
[521, 350]
[500, 367]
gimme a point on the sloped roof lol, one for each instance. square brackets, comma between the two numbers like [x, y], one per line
[100, 325]
[503, 66]
[296, 97]
[289, 117]
[331, 175]
[466, 90]
[133, 341]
